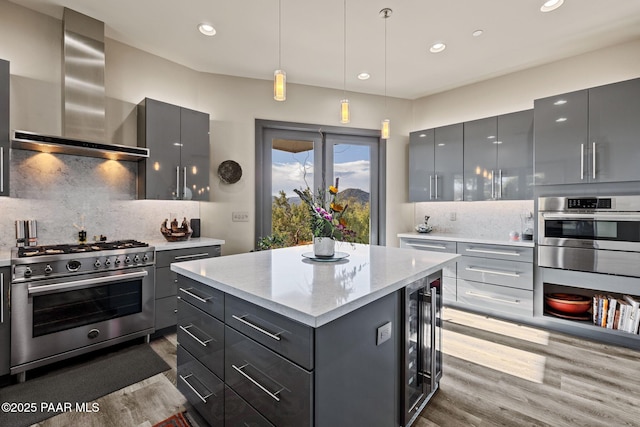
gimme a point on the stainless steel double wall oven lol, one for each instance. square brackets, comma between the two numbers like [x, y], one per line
[71, 299]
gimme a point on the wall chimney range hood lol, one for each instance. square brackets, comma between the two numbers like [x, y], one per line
[83, 98]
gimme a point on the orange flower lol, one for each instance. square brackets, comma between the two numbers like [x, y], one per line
[343, 222]
[333, 190]
[336, 207]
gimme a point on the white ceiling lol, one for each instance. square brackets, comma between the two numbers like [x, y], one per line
[516, 36]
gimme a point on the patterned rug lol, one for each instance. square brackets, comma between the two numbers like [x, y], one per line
[175, 420]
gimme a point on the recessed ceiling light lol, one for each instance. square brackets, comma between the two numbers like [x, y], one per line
[560, 102]
[364, 76]
[477, 33]
[437, 47]
[207, 29]
[551, 5]
[561, 119]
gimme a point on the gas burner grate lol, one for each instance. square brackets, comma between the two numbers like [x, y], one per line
[34, 251]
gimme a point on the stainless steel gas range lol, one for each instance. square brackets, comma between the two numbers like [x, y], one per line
[71, 299]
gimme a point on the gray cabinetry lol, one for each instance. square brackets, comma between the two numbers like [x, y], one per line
[167, 281]
[498, 157]
[589, 135]
[5, 327]
[178, 141]
[4, 128]
[495, 279]
[448, 272]
[435, 164]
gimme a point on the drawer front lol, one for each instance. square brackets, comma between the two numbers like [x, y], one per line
[201, 335]
[166, 312]
[165, 258]
[166, 282]
[495, 298]
[202, 389]
[237, 412]
[428, 245]
[204, 297]
[286, 337]
[496, 272]
[276, 387]
[513, 253]
[448, 289]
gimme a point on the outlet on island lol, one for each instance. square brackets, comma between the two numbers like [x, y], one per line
[452, 216]
[240, 216]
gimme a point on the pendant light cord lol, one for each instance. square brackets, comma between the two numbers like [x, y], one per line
[344, 63]
[279, 34]
[385, 62]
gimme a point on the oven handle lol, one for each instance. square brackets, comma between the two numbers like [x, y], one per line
[594, 216]
[76, 284]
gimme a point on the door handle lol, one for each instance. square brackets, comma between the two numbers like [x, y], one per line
[436, 175]
[203, 398]
[256, 383]
[430, 187]
[186, 330]
[1, 169]
[191, 294]
[474, 294]
[256, 327]
[581, 161]
[496, 272]
[1, 297]
[421, 245]
[594, 159]
[177, 182]
[500, 183]
[493, 184]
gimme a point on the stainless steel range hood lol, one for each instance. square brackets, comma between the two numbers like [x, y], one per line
[83, 98]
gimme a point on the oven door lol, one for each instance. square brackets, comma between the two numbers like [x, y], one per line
[56, 319]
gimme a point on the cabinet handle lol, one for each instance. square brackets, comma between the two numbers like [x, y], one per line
[1, 169]
[177, 184]
[499, 273]
[202, 343]
[421, 245]
[184, 190]
[493, 184]
[1, 297]
[509, 301]
[256, 327]
[430, 187]
[260, 386]
[594, 160]
[436, 175]
[202, 255]
[203, 398]
[493, 252]
[191, 294]
[581, 161]
[500, 183]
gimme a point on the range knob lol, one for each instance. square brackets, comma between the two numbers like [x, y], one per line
[27, 272]
[48, 269]
[127, 260]
[97, 264]
[107, 262]
[136, 259]
[145, 258]
[117, 261]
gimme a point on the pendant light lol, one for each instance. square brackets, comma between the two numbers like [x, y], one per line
[345, 114]
[384, 130]
[279, 76]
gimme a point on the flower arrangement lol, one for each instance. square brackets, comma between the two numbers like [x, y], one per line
[327, 215]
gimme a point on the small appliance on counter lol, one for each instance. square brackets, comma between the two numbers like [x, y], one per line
[424, 228]
[526, 220]
[195, 227]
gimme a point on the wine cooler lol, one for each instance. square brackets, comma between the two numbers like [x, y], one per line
[422, 355]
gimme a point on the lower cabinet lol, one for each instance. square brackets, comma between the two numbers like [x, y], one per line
[166, 280]
[240, 364]
[5, 326]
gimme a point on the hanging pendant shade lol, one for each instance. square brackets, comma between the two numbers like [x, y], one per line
[345, 115]
[384, 129]
[279, 85]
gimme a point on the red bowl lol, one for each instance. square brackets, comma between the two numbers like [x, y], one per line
[568, 303]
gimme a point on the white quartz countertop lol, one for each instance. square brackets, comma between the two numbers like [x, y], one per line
[5, 257]
[163, 245]
[465, 238]
[311, 292]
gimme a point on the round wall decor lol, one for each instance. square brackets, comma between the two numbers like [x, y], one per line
[229, 172]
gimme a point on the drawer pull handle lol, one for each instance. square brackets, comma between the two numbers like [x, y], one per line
[260, 386]
[199, 298]
[473, 294]
[203, 398]
[422, 245]
[194, 256]
[186, 331]
[493, 252]
[256, 327]
[499, 273]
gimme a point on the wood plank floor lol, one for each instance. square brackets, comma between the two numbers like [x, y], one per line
[496, 373]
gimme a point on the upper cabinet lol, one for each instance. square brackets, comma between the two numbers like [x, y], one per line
[435, 164]
[4, 128]
[178, 141]
[498, 157]
[590, 135]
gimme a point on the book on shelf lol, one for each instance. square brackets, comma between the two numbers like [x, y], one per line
[634, 316]
[611, 313]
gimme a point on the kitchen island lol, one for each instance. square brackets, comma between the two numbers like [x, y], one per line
[275, 338]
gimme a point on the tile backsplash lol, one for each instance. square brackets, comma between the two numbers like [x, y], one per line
[486, 219]
[62, 190]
